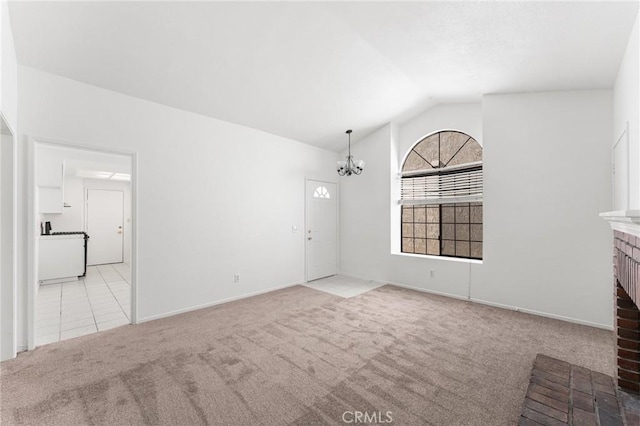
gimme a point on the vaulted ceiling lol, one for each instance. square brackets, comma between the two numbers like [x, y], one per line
[308, 71]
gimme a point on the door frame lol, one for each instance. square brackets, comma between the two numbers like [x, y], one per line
[9, 290]
[33, 228]
[86, 213]
[624, 137]
[306, 223]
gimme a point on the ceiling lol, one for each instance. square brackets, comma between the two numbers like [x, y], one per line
[309, 71]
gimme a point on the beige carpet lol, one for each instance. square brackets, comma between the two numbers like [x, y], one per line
[300, 357]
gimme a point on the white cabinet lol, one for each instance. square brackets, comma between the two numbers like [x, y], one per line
[51, 200]
[60, 257]
[50, 178]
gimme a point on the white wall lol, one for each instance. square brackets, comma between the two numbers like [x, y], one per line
[364, 210]
[547, 177]
[214, 199]
[626, 109]
[8, 70]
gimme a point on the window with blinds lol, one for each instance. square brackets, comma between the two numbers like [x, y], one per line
[441, 196]
[463, 184]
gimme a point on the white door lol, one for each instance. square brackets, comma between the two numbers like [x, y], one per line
[105, 226]
[321, 229]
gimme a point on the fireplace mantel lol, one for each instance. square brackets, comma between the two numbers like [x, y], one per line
[626, 284]
[627, 221]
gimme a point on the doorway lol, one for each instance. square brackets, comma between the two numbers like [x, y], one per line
[321, 229]
[105, 225]
[8, 288]
[93, 214]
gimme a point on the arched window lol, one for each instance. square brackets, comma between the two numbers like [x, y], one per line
[441, 196]
[321, 192]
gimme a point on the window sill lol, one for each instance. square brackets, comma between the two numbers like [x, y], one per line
[443, 258]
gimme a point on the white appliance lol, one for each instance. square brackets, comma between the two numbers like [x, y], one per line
[62, 258]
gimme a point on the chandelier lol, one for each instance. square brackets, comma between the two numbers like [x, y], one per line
[350, 167]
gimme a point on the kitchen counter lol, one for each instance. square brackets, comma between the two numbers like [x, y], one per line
[61, 236]
[62, 257]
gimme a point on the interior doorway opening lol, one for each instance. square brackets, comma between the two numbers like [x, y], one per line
[84, 257]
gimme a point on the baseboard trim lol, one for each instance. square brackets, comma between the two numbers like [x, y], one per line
[543, 314]
[494, 304]
[409, 287]
[423, 290]
[217, 302]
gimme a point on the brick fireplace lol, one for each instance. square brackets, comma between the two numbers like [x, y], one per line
[626, 285]
[626, 272]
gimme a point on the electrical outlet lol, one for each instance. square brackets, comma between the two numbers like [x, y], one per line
[432, 273]
[236, 278]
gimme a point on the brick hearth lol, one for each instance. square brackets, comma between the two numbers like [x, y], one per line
[564, 394]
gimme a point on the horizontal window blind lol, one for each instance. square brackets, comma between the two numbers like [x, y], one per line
[443, 187]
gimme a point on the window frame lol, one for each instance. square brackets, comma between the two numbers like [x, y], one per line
[467, 227]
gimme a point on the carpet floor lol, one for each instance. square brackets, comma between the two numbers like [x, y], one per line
[299, 356]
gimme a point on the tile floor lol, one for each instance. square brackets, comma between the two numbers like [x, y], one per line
[343, 286]
[97, 302]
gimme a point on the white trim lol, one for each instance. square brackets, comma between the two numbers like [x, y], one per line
[408, 287]
[613, 169]
[6, 123]
[542, 314]
[493, 304]
[133, 193]
[9, 341]
[627, 221]
[32, 225]
[32, 244]
[71, 145]
[447, 258]
[434, 292]
[217, 302]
